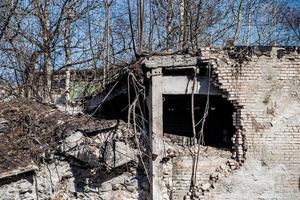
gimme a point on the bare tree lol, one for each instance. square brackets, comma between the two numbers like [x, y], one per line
[39, 37]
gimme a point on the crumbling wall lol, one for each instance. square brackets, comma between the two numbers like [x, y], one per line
[265, 86]
[177, 164]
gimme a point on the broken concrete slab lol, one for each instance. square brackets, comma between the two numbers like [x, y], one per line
[89, 155]
[91, 149]
[118, 153]
[72, 141]
[20, 170]
[171, 61]
[82, 148]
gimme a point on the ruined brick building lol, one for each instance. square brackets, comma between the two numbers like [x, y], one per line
[254, 112]
[219, 124]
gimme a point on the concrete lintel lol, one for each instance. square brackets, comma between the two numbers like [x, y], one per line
[183, 85]
[171, 61]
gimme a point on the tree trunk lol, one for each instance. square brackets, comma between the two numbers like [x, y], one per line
[29, 71]
[107, 43]
[43, 15]
[183, 25]
[169, 24]
[47, 43]
[67, 47]
[239, 22]
[140, 7]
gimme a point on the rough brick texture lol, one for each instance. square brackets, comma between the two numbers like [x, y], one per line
[266, 91]
[264, 87]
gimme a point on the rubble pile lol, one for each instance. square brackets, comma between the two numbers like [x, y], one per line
[176, 167]
[202, 191]
[29, 129]
[46, 153]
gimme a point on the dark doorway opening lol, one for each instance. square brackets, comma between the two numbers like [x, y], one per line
[218, 127]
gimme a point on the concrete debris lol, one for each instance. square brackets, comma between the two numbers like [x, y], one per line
[93, 149]
[205, 187]
[71, 180]
[82, 148]
[72, 141]
[89, 159]
[4, 126]
[36, 130]
[233, 164]
[62, 180]
[20, 170]
[203, 190]
[118, 153]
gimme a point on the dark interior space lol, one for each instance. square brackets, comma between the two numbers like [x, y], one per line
[116, 108]
[202, 70]
[177, 71]
[114, 102]
[218, 128]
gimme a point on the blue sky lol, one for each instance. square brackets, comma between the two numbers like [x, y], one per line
[294, 3]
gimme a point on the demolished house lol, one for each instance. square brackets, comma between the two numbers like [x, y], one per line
[213, 125]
